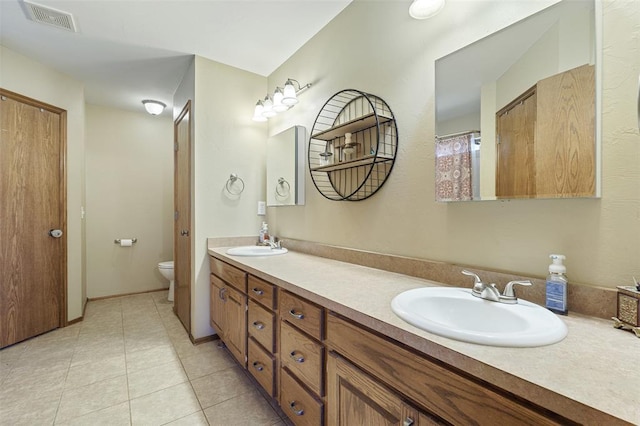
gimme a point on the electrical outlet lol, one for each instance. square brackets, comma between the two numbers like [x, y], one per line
[262, 208]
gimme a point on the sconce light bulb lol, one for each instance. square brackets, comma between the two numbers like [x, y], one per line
[278, 106]
[268, 108]
[257, 112]
[289, 95]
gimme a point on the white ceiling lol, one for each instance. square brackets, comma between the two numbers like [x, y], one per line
[126, 51]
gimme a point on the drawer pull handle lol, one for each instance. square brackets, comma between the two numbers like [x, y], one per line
[408, 422]
[297, 358]
[258, 366]
[297, 412]
[258, 325]
[296, 315]
[257, 291]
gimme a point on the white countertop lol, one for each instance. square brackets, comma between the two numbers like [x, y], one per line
[595, 365]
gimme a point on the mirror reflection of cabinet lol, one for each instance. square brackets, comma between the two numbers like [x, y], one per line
[506, 65]
[285, 167]
[546, 139]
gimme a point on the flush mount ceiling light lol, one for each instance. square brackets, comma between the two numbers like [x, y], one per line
[153, 107]
[282, 100]
[423, 9]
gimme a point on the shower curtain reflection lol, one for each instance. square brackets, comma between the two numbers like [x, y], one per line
[454, 180]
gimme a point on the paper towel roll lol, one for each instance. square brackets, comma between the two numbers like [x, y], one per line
[126, 242]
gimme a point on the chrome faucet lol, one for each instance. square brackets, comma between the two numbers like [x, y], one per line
[491, 292]
[274, 243]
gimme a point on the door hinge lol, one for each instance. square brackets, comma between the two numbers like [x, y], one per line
[175, 215]
[175, 146]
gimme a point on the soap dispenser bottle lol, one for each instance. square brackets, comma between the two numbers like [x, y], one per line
[264, 233]
[556, 289]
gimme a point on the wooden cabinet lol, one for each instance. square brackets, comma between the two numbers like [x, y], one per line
[444, 393]
[302, 360]
[324, 369]
[261, 333]
[228, 309]
[356, 398]
[546, 139]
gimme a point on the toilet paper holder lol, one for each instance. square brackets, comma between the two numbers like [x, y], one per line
[118, 241]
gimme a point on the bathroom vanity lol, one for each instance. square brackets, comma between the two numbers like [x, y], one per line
[320, 338]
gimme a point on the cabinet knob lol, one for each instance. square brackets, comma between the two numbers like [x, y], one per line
[258, 325]
[296, 411]
[257, 291]
[297, 358]
[296, 315]
[258, 366]
[408, 422]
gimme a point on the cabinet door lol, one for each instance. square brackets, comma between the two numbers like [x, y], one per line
[235, 327]
[217, 309]
[565, 134]
[516, 162]
[355, 398]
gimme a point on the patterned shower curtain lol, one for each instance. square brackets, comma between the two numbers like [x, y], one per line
[453, 168]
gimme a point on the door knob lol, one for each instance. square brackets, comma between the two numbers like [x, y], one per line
[55, 233]
[184, 233]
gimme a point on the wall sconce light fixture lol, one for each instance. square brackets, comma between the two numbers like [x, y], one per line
[423, 9]
[153, 107]
[281, 101]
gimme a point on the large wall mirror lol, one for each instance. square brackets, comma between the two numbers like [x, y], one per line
[285, 167]
[516, 110]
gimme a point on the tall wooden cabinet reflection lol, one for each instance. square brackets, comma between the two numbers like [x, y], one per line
[546, 139]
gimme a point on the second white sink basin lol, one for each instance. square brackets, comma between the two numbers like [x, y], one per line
[256, 251]
[453, 312]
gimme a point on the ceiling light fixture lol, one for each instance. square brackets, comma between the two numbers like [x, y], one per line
[423, 9]
[153, 107]
[282, 100]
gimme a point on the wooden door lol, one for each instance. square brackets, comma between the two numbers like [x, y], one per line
[355, 398]
[565, 137]
[182, 216]
[32, 194]
[515, 173]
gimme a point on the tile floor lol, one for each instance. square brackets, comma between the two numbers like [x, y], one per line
[129, 362]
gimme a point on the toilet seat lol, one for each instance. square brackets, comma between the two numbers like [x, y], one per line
[166, 265]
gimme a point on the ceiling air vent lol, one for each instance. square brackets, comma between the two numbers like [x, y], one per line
[49, 16]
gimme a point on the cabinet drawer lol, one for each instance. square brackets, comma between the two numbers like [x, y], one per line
[303, 356]
[232, 275]
[304, 315]
[261, 325]
[441, 391]
[262, 292]
[261, 366]
[297, 403]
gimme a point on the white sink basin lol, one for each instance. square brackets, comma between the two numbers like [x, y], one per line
[455, 313]
[256, 251]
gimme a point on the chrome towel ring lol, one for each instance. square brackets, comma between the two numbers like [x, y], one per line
[282, 182]
[233, 178]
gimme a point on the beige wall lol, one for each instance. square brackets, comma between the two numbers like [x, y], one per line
[226, 141]
[129, 183]
[377, 48]
[27, 77]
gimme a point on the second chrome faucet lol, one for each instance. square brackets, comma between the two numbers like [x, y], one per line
[491, 292]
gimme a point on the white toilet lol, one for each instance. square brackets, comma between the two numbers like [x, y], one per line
[166, 269]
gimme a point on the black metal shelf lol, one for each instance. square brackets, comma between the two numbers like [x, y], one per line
[358, 173]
